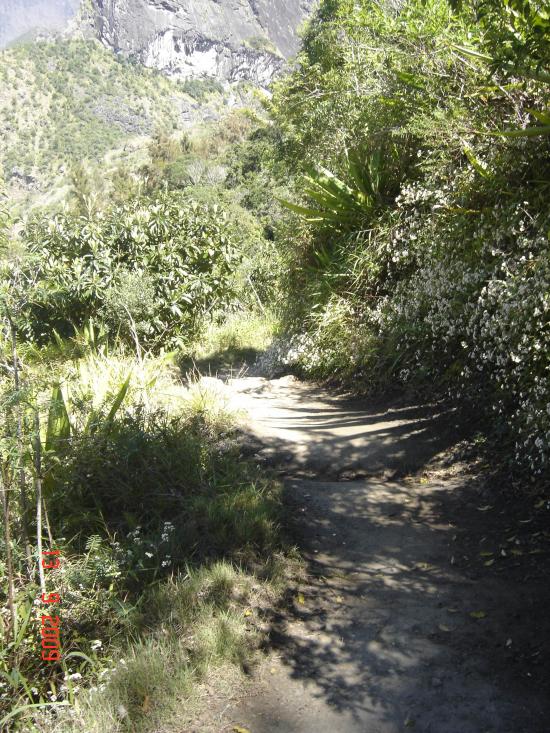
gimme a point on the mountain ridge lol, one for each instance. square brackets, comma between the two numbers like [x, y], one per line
[230, 40]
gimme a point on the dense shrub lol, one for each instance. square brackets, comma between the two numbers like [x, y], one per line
[445, 281]
[153, 509]
[201, 87]
[148, 268]
[481, 322]
[145, 470]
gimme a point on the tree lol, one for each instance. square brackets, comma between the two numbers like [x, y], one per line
[124, 185]
[516, 34]
[161, 263]
[83, 194]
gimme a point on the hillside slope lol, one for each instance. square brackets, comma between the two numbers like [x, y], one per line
[65, 101]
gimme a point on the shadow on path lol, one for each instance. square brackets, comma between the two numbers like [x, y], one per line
[328, 434]
[416, 612]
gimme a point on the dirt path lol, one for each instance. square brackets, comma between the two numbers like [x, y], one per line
[403, 623]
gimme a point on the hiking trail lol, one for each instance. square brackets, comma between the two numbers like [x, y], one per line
[397, 626]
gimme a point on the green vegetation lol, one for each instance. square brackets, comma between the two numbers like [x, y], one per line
[147, 269]
[199, 88]
[262, 43]
[231, 342]
[65, 102]
[115, 457]
[169, 541]
[418, 255]
[387, 217]
[90, 99]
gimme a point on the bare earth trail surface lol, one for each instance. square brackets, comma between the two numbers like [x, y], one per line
[403, 622]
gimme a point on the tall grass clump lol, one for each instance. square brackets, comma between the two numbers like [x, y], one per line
[167, 540]
[232, 340]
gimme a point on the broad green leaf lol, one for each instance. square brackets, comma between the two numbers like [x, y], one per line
[473, 53]
[79, 655]
[542, 117]
[119, 399]
[59, 425]
[527, 132]
[475, 162]
[22, 708]
[410, 80]
[300, 210]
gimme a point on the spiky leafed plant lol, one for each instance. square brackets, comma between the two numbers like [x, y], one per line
[345, 203]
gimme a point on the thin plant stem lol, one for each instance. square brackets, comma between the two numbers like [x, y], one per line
[47, 521]
[22, 479]
[38, 490]
[7, 536]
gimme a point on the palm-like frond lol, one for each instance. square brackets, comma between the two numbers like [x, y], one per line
[346, 205]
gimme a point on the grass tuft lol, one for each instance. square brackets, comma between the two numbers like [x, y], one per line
[171, 539]
[232, 344]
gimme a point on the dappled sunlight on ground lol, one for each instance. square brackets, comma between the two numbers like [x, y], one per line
[330, 434]
[392, 628]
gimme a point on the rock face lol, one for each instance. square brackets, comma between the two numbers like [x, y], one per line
[22, 179]
[227, 39]
[20, 17]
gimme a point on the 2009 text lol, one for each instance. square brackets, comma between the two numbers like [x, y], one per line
[50, 625]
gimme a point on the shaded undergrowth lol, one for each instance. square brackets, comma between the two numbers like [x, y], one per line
[170, 545]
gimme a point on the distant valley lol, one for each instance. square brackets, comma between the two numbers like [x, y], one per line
[90, 82]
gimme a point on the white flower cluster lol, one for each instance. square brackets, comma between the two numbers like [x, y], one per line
[464, 299]
[167, 531]
[481, 316]
[143, 547]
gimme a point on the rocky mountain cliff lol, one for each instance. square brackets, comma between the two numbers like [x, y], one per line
[228, 39]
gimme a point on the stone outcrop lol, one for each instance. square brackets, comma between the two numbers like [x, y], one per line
[231, 40]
